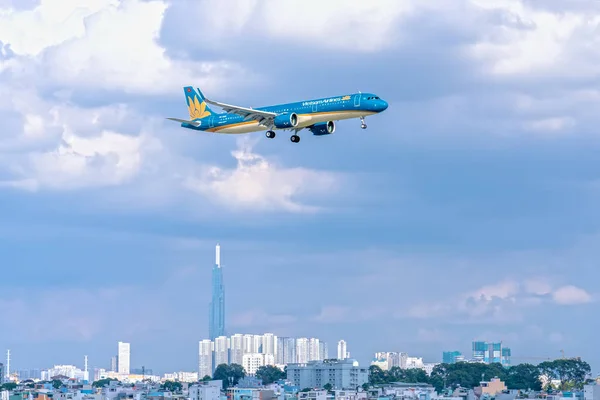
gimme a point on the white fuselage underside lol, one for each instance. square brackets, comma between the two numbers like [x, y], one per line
[304, 120]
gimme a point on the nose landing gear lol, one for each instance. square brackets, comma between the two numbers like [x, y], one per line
[362, 123]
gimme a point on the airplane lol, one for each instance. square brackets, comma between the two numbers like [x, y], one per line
[318, 115]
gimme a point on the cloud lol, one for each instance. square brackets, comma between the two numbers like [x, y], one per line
[255, 183]
[105, 45]
[343, 26]
[569, 295]
[534, 41]
[499, 303]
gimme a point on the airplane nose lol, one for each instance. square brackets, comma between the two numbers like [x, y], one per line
[384, 105]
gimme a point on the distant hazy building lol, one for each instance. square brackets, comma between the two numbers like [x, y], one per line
[450, 357]
[124, 358]
[70, 371]
[491, 353]
[342, 351]
[286, 350]
[341, 374]
[389, 359]
[2, 373]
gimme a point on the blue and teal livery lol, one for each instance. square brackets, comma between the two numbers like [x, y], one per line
[317, 115]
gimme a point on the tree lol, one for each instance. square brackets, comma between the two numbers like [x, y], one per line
[572, 373]
[524, 376]
[56, 383]
[206, 378]
[377, 376]
[172, 386]
[328, 386]
[269, 374]
[230, 374]
[9, 386]
[103, 382]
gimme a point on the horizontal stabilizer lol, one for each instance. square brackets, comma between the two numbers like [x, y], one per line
[194, 123]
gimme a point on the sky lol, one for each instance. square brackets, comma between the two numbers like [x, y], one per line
[468, 210]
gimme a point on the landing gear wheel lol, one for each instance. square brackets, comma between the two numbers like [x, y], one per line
[295, 138]
[363, 126]
[362, 123]
[270, 134]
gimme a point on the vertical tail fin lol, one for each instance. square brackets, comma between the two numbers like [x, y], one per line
[197, 107]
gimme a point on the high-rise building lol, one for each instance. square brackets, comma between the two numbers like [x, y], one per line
[286, 350]
[450, 357]
[123, 358]
[236, 349]
[216, 323]
[341, 350]
[221, 346]
[1, 373]
[491, 352]
[205, 358]
[114, 363]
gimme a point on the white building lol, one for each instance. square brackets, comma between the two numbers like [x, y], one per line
[205, 362]
[350, 395]
[313, 395]
[591, 392]
[204, 392]
[70, 371]
[236, 349]
[341, 374]
[253, 361]
[124, 355]
[342, 350]
[269, 344]
[183, 376]
[221, 349]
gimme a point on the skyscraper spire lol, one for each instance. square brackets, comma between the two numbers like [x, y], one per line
[218, 256]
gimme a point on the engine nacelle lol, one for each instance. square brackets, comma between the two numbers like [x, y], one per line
[323, 128]
[283, 121]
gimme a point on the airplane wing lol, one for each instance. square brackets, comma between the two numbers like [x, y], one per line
[194, 123]
[263, 117]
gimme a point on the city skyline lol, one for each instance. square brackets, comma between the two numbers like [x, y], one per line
[467, 211]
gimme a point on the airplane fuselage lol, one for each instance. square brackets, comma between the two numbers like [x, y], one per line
[308, 112]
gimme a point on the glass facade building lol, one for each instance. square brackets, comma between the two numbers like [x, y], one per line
[216, 323]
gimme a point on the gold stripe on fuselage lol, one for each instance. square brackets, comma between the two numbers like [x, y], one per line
[304, 120]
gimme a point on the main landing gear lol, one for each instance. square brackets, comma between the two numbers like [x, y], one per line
[271, 134]
[362, 123]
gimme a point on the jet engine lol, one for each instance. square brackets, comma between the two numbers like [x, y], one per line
[323, 128]
[284, 121]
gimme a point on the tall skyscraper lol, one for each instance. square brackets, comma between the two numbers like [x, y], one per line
[123, 358]
[342, 353]
[216, 323]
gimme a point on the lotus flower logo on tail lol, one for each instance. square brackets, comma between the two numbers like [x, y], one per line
[197, 109]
